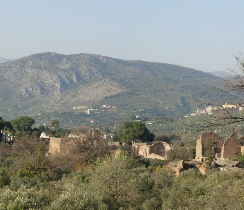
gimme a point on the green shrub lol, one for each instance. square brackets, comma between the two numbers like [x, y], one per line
[24, 198]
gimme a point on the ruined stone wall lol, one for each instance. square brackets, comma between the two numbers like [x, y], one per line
[143, 149]
[158, 149]
[135, 149]
[54, 146]
[153, 151]
[208, 141]
[229, 149]
[199, 155]
[211, 139]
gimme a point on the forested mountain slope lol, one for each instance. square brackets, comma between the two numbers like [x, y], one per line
[51, 81]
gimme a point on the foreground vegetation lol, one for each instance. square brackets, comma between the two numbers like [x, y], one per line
[93, 177]
[121, 182]
[90, 175]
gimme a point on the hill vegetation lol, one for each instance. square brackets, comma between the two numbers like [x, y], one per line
[31, 180]
[89, 174]
[51, 82]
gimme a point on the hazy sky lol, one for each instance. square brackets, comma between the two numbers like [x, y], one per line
[204, 35]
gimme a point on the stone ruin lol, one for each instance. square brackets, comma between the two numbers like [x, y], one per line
[57, 146]
[230, 148]
[54, 146]
[156, 150]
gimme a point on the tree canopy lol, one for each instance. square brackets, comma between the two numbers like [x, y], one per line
[23, 123]
[162, 137]
[54, 123]
[134, 131]
[1, 123]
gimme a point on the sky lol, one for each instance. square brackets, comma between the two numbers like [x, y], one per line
[204, 35]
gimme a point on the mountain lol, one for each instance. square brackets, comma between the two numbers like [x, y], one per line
[56, 82]
[2, 60]
[221, 74]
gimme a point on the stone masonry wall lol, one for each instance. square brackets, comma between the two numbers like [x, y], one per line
[54, 146]
[154, 151]
[229, 149]
[199, 155]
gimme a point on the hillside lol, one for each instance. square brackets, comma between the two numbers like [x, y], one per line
[2, 60]
[56, 82]
[221, 74]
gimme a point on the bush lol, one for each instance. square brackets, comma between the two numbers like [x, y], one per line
[4, 178]
[24, 198]
[179, 153]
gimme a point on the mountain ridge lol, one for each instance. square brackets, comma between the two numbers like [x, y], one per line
[3, 60]
[65, 81]
[221, 74]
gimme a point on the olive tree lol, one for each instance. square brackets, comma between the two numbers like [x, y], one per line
[118, 184]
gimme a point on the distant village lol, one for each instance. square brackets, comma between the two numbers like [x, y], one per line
[209, 110]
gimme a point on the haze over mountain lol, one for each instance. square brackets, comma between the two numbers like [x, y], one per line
[51, 81]
[221, 74]
[2, 60]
